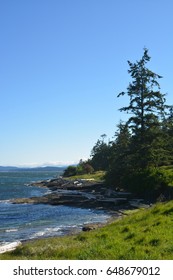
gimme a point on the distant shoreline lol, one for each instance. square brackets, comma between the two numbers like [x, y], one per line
[37, 169]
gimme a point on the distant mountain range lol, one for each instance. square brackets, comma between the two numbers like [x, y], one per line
[45, 168]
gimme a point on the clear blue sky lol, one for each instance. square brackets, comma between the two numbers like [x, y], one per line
[62, 64]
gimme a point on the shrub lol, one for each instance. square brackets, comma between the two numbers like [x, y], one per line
[70, 171]
[149, 183]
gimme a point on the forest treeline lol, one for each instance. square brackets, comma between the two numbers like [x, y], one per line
[140, 156]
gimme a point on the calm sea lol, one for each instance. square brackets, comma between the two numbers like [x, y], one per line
[23, 221]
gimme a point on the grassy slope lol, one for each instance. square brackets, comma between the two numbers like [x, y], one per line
[145, 234]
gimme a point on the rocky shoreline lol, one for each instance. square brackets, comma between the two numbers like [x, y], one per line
[89, 194]
[83, 194]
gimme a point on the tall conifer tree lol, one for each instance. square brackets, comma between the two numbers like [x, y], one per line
[147, 107]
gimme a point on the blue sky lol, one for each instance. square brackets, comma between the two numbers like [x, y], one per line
[62, 64]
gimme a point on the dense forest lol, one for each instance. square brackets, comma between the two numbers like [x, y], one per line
[140, 158]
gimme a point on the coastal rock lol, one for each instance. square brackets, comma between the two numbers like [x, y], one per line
[89, 227]
[9, 247]
[79, 193]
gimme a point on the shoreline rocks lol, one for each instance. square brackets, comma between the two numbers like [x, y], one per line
[78, 193]
[82, 193]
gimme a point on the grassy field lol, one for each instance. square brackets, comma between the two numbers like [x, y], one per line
[145, 234]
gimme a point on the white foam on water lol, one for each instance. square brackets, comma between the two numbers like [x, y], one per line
[11, 230]
[5, 201]
[53, 231]
[46, 232]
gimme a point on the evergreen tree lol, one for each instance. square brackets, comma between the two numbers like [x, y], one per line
[100, 154]
[119, 156]
[145, 142]
[147, 106]
[167, 130]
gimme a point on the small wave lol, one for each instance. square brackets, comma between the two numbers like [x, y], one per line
[38, 234]
[48, 192]
[5, 201]
[11, 230]
[27, 185]
[46, 232]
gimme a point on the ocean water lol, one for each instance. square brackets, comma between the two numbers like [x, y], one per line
[20, 222]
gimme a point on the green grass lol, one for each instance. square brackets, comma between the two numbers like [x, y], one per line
[145, 234]
[97, 176]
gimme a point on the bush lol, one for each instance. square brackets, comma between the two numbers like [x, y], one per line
[80, 169]
[70, 171]
[167, 171]
[149, 183]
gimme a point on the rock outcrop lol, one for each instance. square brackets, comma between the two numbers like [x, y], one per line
[79, 193]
